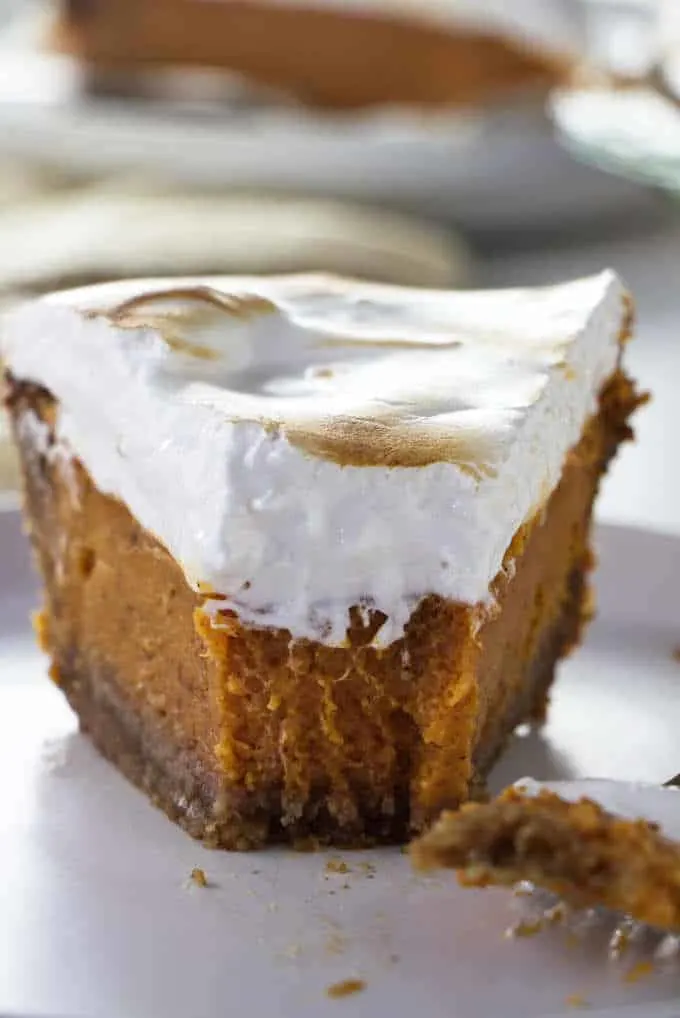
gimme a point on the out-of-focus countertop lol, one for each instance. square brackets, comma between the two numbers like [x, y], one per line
[643, 487]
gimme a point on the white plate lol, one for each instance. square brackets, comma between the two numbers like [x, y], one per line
[96, 918]
[501, 169]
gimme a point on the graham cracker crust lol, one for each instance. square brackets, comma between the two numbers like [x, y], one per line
[246, 736]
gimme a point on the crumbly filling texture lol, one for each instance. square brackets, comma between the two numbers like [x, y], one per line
[576, 849]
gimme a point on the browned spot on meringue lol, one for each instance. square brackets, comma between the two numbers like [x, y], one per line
[206, 306]
[236, 305]
[390, 442]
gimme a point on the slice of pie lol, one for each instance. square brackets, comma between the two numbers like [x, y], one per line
[335, 53]
[312, 547]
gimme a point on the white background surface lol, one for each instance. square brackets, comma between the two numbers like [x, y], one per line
[644, 485]
[96, 918]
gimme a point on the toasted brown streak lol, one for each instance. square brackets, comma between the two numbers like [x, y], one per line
[236, 305]
[388, 442]
[181, 345]
[131, 314]
[391, 344]
[169, 327]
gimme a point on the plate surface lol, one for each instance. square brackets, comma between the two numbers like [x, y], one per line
[98, 920]
[634, 133]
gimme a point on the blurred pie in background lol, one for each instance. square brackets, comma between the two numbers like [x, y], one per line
[342, 54]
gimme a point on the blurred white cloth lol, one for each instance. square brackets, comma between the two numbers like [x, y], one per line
[140, 228]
